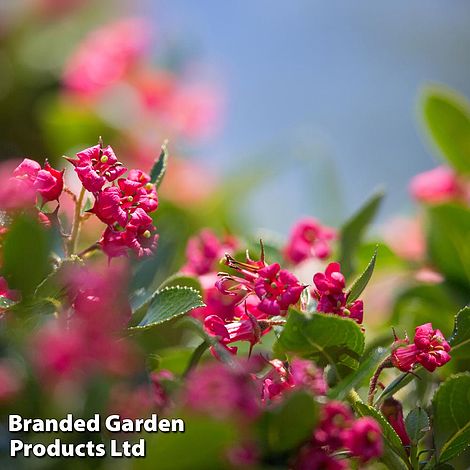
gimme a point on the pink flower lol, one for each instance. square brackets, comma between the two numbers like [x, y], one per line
[364, 439]
[331, 297]
[243, 455]
[159, 381]
[7, 293]
[277, 289]
[393, 412]
[222, 391]
[430, 349]
[140, 234]
[95, 166]
[276, 381]
[49, 183]
[314, 458]
[308, 239]
[204, 252]
[108, 207]
[306, 375]
[332, 431]
[106, 56]
[10, 382]
[113, 243]
[435, 186]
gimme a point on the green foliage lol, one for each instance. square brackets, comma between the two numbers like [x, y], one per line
[447, 118]
[327, 339]
[417, 424]
[449, 242]
[169, 303]
[460, 339]
[361, 282]
[288, 424]
[451, 421]
[26, 255]
[182, 280]
[159, 168]
[353, 230]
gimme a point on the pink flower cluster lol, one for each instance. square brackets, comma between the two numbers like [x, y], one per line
[429, 348]
[123, 204]
[308, 239]
[21, 188]
[331, 297]
[339, 430]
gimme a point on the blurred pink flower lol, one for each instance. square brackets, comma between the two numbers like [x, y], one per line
[364, 439]
[405, 236]
[435, 186]
[105, 56]
[10, 381]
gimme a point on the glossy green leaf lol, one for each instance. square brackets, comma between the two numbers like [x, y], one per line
[353, 230]
[182, 280]
[169, 303]
[159, 168]
[361, 282]
[447, 118]
[362, 374]
[451, 417]
[327, 339]
[460, 339]
[290, 423]
[417, 424]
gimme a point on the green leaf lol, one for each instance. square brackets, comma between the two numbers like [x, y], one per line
[394, 455]
[287, 425]
[363, 373]
[451, 417]
[159, 168]
[26, 255]
[182, 280]
[449, 242]
[397, 384]
[417, 424]
[327, 339]
[353, 231]
[169, 303]
[361, 282]
[446, 115]
[460, 339]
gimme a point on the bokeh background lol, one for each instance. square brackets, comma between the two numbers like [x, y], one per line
[316, 99]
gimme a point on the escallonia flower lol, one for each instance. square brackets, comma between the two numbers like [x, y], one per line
[429, 348]
[49, 183]
[329, 292]
[364, 439]
[308, 239]
[393, 412]
[97, 165]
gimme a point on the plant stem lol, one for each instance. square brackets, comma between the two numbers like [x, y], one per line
[76, 223]
[195, 357]
[375, 378]
[89, 250]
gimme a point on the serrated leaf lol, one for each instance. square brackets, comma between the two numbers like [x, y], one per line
[327, 339]
[460, 339]
[451, 417]
[361, 282]
[417, 424]
[363, 373]
[169, 303]
[159, 168]
[446, 115]
[353, 230]
[180, 279]
[395, 455]
[288, 424]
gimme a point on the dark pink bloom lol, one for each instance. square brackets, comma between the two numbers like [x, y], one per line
[393, 412]
[138, 192]
[308, 239]
[27, 170]
[10, 381]
[277, 289]
[307, 375]
[336, 419]
[113, 244]
[430, 349]
[108, 207]
[222, 391]
[106, 56]
[49, 183]
[95, 166]
[140, 234]
[435, 186]
[364, 439]
[331, 297]
[314, 458]
[276, 381]
[159, 381]
[204, 252]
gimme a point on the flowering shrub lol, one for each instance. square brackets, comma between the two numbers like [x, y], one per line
[277, 354]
